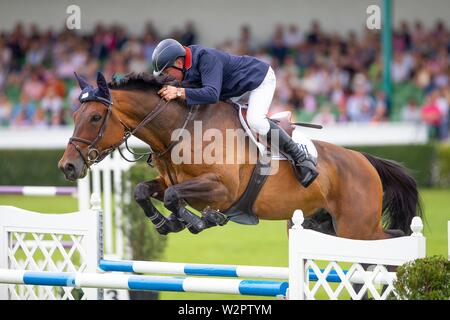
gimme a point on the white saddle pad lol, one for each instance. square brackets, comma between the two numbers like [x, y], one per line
[299, 137]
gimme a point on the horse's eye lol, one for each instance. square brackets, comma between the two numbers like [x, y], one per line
[96, 118]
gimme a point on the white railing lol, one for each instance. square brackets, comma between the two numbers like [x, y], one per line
[68, 242]
[308, 248]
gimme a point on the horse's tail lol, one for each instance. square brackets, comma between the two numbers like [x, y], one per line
[401, 200]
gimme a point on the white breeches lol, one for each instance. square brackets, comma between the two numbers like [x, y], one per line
[259, 101]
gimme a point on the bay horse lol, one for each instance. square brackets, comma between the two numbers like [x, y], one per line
[353, 190]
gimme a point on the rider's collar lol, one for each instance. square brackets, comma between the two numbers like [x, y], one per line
[188, 59]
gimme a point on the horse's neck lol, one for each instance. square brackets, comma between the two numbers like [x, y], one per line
[134, 106]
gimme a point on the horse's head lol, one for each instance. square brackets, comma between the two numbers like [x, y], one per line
[97, 130]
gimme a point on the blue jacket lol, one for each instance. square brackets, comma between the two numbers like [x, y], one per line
[220, 75]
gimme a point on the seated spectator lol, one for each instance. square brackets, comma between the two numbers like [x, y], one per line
[138, 63]
[379, 114]
[59, 118]
[5, 110]
[149, 46]
[36, 53]
[34, 87]
[324, 117]
[189, 36]
[380, 107]
[23, 112]
[360, 106]
[401, 67]
[411, 112]
[431, 115]
[39, 118]
[293, 37]
[443, 105]
[55, 84]
[51, 103]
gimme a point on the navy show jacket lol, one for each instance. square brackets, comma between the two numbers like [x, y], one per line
[220, 75]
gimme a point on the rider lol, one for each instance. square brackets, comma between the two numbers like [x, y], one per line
[223, 76]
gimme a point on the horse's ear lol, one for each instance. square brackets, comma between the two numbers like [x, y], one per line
[81, 81]
[102, 84]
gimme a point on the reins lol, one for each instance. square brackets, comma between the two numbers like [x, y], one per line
[95, 156]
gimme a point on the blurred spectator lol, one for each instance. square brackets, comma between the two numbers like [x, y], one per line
[431, 114]
[443, 105]
[324, 117]
[189, 36]
[411, 112]
[34, 87]
[380, 108]
[313, 68]
[5, 110]
[39, 118]
[149, 46]
[277, 46]
[293, 37]
[23, 112]
[138, 63]
[360, 106]
[51, 103]
[401, 67]
[315, 34]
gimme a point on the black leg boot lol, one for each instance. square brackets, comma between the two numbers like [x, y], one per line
[305, 168]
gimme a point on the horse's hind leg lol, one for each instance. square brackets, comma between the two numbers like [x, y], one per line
[203, 190]
[361, 219]
[155, 189]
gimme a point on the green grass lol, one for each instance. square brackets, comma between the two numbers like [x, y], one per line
[264, 244]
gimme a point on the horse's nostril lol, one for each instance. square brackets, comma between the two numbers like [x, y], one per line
[69, 167]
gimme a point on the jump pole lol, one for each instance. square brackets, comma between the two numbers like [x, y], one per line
[150, 283]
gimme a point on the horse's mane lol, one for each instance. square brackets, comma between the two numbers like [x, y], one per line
[142, 81]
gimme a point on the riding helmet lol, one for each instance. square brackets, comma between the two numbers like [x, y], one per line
[165, 54]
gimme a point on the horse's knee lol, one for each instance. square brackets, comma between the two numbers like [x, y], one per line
[141, 192]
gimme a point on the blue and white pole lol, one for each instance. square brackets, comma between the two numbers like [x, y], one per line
[151, 283]
[213, 270]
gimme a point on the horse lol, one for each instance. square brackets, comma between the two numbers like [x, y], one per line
[352, 194]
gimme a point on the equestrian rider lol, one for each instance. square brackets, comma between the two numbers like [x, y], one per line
[223, 76]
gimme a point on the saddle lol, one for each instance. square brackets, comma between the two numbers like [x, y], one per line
[242, 210]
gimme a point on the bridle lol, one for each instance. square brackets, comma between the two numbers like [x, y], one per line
[94, 155]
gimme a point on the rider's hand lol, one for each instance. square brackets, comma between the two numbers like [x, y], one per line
[170, 93]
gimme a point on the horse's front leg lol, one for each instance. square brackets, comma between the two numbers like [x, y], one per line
[206, 189]
[155, 189]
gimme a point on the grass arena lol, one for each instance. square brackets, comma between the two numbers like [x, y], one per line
[239, 244]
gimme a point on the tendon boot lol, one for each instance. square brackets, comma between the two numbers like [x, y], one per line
[305, 168]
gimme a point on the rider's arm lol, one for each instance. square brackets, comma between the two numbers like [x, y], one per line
[211, 70]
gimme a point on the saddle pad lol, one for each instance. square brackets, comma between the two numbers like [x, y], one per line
[299, 137]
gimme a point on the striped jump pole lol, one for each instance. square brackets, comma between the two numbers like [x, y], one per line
[38, 191]
[151, 283]
[213, 270]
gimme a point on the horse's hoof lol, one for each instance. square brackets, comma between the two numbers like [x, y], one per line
[214, 217]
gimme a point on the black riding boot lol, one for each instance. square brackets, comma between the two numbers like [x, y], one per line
[305, 168]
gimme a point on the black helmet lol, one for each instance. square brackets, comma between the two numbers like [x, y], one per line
[165, 54]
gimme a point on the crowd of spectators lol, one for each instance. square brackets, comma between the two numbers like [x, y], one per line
[323, 77]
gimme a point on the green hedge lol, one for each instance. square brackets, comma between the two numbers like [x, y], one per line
[443, 165]
[40, 167]
[31, 167]
[418, 159]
